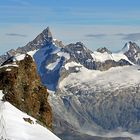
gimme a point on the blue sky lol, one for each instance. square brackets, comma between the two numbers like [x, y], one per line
[96, 23]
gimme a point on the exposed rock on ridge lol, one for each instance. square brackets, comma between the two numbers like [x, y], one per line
[22, 88]
[132, 51]
[80, 54]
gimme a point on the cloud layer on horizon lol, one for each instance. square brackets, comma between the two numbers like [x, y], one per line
[15, 34]
[131, 36]
[96, 35]
[127, 37]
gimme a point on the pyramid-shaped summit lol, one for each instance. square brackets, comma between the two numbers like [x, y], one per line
[42, 39]
[132, 51]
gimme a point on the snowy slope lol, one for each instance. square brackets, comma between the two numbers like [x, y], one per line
[13, 126]
[102, 57]
[114, 77]
[49, 60]
[51, 66]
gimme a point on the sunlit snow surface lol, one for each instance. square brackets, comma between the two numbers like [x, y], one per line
[51, 66]
[20, 57]
[102, 57]
[13, 126]
[113, 78]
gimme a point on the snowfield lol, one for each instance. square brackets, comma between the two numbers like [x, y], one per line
[115, 77]
[51, 66]
[102, 57]
[72, 64]
[14, 127]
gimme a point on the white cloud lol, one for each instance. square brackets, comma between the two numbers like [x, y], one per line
[96, 35]
[15, 35]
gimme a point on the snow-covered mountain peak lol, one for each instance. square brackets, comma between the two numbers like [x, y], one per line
[78, 46]
[78, 51]
[126, 47]
[132, 51]
[130, 46]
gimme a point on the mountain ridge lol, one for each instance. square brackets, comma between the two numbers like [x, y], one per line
[45, 38]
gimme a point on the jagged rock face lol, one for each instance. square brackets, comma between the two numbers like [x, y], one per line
[80, 54]
[6, 56]
[22, 88]
[103, 50]
[132, 51]
[43, 39]
[109, 64]
[58, 43]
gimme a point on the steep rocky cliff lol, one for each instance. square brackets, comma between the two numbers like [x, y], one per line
[132, 51]
[22, 88]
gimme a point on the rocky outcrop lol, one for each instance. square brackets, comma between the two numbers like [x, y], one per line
[22, 88]
[132, 51]
[109, 64]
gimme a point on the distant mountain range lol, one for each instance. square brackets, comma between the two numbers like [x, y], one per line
[93, 94]
[54, 55]
[131, 50]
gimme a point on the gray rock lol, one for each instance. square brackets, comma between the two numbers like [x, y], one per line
[132, 51]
